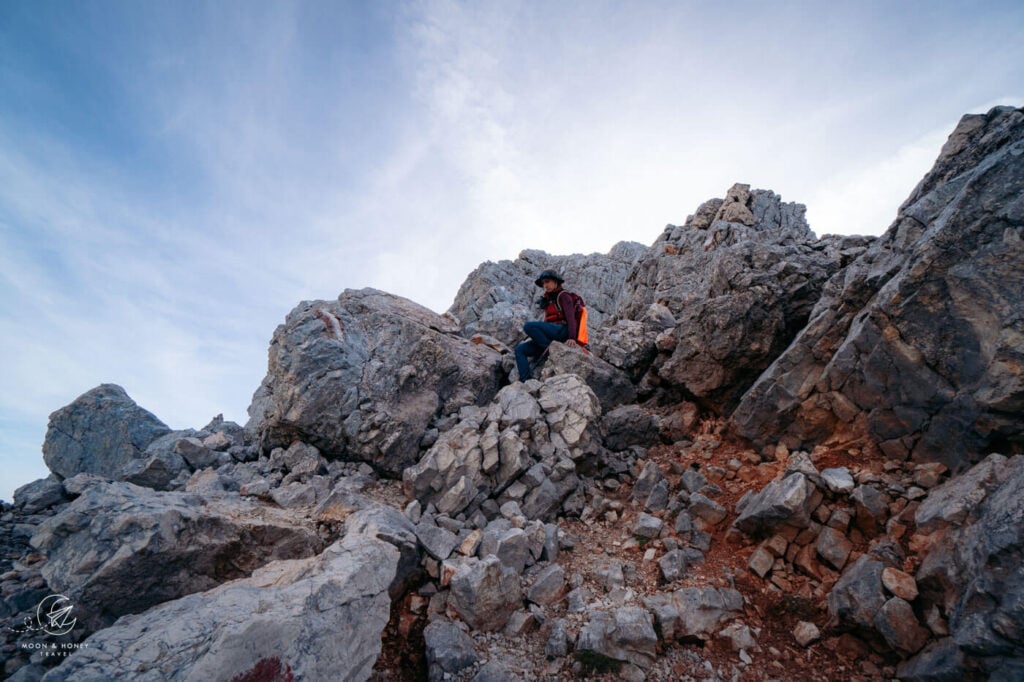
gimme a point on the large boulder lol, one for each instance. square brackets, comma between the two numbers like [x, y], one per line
[973, 569]
[312, 619]
[525, 448]
[740, 278]
[498, 298]
[100, 433]
[916, 346]
[362, 378]
[119, 548]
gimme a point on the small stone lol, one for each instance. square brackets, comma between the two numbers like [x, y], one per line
[898, 624]
[548, 587]
[805, 633]
[761, 561]
[900, 584]
[471, 543]
[838, 480]
[647, 526]
[833, 547]
[776, 544]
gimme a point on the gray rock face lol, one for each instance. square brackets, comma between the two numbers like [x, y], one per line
[335, 604]
[449, 649]
[975, 568]
[485, 592]
[626, 634]
[611, 386]
[363, 377]
[740, 279]
[916, 344]
[120, 549]
[534, 431]
[693, 612]
[783, 501]
[39, 495]
[99, 433]
[498, 298]
[858, 595]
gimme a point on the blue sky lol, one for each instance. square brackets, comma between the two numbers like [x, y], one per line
[176, 176]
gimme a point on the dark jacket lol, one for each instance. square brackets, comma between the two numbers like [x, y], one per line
[560, 308]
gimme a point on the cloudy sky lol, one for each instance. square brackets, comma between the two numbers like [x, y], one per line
[176, 176]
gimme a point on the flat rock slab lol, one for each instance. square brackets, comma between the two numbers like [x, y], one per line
[318, 619]
[120, 549]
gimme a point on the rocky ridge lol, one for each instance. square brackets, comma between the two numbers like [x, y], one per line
[789, 458]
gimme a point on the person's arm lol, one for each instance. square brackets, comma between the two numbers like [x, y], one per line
[568, 307]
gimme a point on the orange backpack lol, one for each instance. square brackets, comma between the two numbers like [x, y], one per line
[582, 337]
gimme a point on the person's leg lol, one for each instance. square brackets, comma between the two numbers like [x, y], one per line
[543, 333]
[524, 351]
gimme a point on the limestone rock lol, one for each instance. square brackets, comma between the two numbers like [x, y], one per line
[39, 495]
[99, 433]
[535, 434]
[806, 633]
[626, 634]
[739, 291]
[449, 649]
[784, 500]
[334, 604]
[899, 626]
[120, 549]
[975, 570]
[363, 377]
[485, 592]
[612, 386]
[693, 612]
[915, 345]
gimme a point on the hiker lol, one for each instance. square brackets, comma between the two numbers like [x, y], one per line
[562, 311]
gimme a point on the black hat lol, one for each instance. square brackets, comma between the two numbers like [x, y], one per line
[547, 274]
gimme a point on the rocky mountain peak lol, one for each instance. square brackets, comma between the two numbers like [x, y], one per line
[785, 457]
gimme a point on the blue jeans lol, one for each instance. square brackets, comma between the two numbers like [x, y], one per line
[541, 335]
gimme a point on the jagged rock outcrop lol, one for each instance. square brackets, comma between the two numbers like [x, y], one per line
[973, 570]
[498, 298]
[314, 619]
[119, 548]
[363, 377]
[739, 279]
[100, 432]
[524, 448]
[916, 346]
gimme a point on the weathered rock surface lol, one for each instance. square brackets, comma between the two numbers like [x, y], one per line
[535, 431]
[693, 612]
[740, 278]
[498, 298]
[974, 569]
[120, 549]
[485, 592]
[783, 501]
[363, 377]
[611, 385]
[99, 433]
[449, 649]
[916, 345]
[319, 618]
[626, 634]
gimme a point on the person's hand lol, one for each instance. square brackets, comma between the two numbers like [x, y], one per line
[572, 343]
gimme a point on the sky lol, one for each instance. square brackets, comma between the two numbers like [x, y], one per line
[176, 176]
